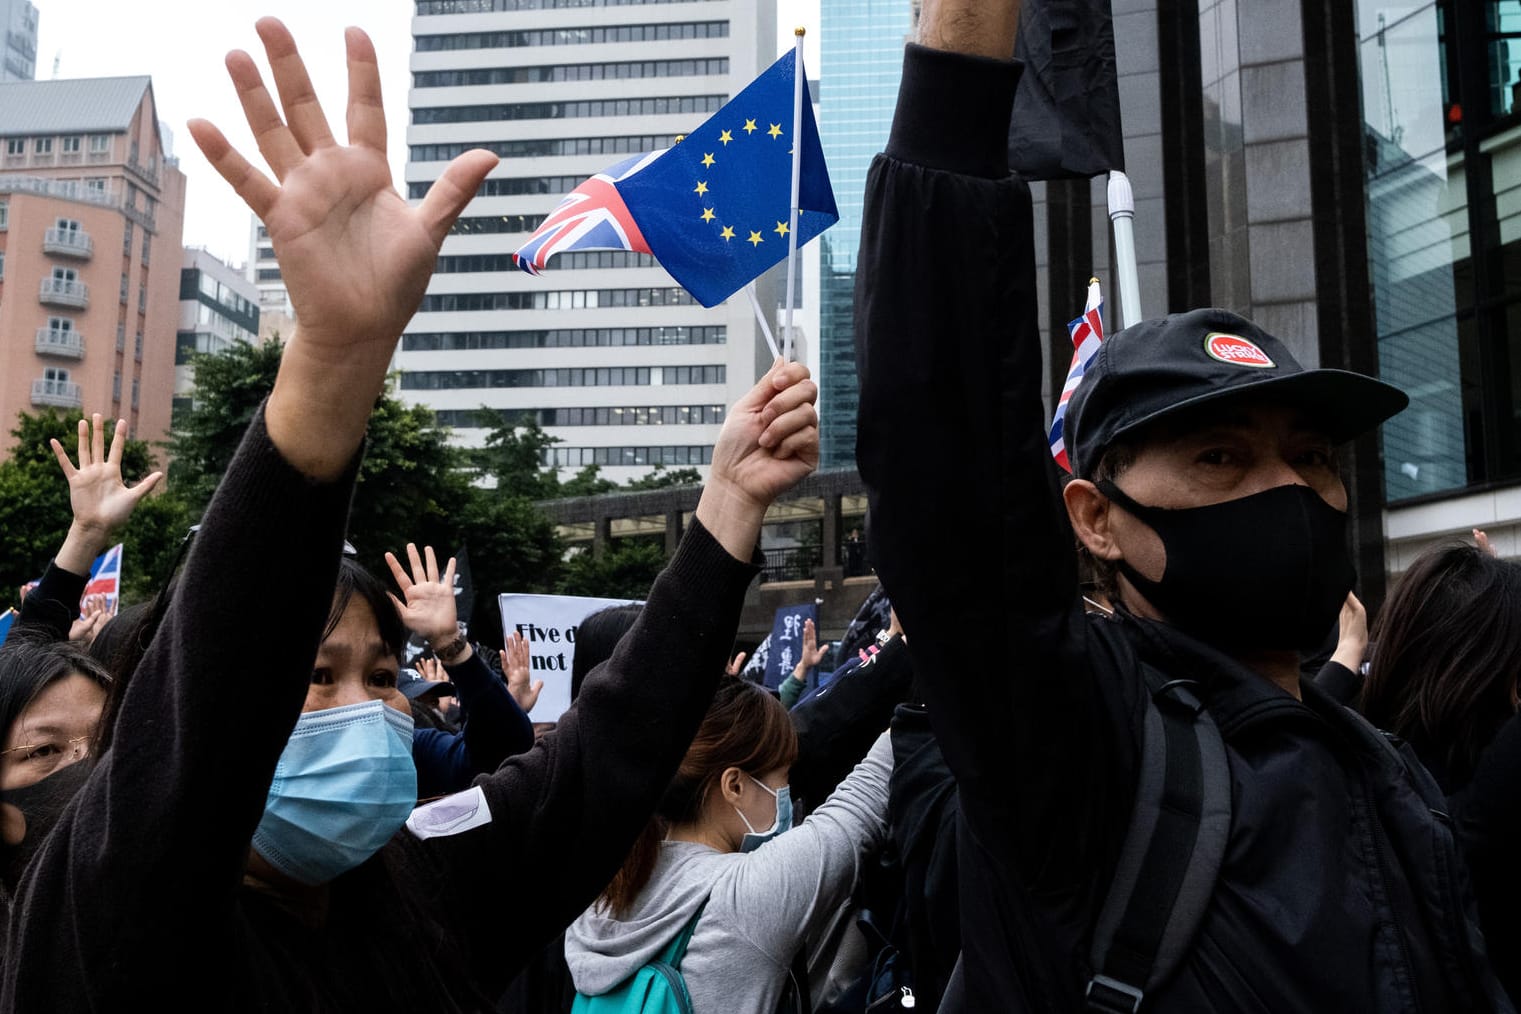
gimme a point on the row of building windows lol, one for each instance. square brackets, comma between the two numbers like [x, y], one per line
[580, 457]
[483, 224]
[591, 376]
[545, 146]
[565, 299]
[653, 415]
[515, 186]
[619, 70]
[593, 35]
[427, 7]
[474, 263]
[72, 144]
[565, 338]
[650, 106]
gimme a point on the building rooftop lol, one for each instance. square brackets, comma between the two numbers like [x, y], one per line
[70, 106]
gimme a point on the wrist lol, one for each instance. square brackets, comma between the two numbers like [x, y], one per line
[81, 546]
[731, 516]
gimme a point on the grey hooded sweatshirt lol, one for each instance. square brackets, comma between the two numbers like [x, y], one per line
[762, 905]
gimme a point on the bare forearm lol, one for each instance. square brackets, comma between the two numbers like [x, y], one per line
[732, 518]
[319, 407]
[975, 27]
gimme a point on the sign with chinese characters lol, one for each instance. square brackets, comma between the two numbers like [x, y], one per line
[787, 641]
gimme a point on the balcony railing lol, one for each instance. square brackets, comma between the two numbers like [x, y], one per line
[68, 243]
[58, 393]
[57, 292]
[52, 341]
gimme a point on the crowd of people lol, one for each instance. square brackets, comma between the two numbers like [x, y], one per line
[1154, 760]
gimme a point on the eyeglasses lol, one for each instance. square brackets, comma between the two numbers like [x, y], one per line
[72, 745]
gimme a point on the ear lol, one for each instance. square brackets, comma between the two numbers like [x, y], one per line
[1091, 513]
[731, 784]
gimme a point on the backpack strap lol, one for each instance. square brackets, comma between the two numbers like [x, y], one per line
[1172, 850]
[677, 948]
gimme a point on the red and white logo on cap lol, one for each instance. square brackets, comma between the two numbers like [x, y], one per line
[1236, 350]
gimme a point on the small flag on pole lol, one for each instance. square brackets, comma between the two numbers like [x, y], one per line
[716, 209]
[1087, 333]
[105, 577]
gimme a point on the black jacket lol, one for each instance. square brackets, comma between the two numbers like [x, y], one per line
[137, 899]
[1341, 888]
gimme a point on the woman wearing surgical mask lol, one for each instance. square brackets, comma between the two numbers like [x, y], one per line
[245, 843]
[722, 859]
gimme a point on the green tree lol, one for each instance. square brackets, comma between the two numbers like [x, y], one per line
[659, 478]
[587, 482]
[513, 548]
[513, 457]
[35, 512]
[229, 387]
[625, 570]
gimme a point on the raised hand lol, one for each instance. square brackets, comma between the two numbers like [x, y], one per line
[1352, 638]
[94, 611]
[1481, 539]
[769, 442]
[736, 665]
[516, 663]
[429, 606]
[100, 500]
[353, 255]
[813, 652]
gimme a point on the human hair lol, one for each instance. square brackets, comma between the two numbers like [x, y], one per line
[353, 580]
[30, 662]
[1447, 657]
[745, 728]
[1117, 457]
[596, 637]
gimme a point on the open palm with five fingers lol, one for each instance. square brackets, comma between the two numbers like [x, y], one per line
[429, 596]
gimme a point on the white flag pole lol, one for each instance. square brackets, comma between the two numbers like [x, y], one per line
[797, 175]
[1122, 214]
[760, 316]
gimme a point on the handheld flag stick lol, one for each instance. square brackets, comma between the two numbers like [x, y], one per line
[797, 167]
[760, 316]
[1122, 214]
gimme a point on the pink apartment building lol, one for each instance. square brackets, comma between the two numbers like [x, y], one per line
[91, 210]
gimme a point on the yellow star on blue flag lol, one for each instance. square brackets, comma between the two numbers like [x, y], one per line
[748, 190]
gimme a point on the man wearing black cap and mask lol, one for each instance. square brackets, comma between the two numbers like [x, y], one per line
[1208, 495]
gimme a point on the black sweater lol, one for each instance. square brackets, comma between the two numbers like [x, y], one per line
[138, 899]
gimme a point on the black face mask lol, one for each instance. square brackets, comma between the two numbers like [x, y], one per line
[41, 803]
[1269, 571]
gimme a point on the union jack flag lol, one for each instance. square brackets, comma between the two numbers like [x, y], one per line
[1087, 333]
[105, 577]
[591, 217]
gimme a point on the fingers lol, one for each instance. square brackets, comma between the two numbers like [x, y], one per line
[804, 392]
[781, 376]
[63, 459]
[419, 572]
[83, 455]
[785, 425]
[449, 194]
[252, 186]
[402, 581]
[97, 440]
[145, 487]
[401, 608]
[366, 114]
[118, 442]
[302, 110]
[430, 565]
[447, 579]
[276, 143]
[802, 445]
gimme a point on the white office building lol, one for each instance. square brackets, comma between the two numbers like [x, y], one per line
[18, 54]
[218, 307]
[603, 350]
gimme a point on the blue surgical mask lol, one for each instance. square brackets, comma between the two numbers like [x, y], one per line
[755, 839]
[344, 785]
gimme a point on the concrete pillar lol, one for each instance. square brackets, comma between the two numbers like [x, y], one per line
[672, 532]
[602, 535]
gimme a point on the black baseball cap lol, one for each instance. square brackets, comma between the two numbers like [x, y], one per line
[1159, 368]
[415, 687]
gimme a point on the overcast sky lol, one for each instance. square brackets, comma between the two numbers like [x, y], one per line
[181, 44]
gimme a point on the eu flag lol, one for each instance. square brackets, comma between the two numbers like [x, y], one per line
[714, 209]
